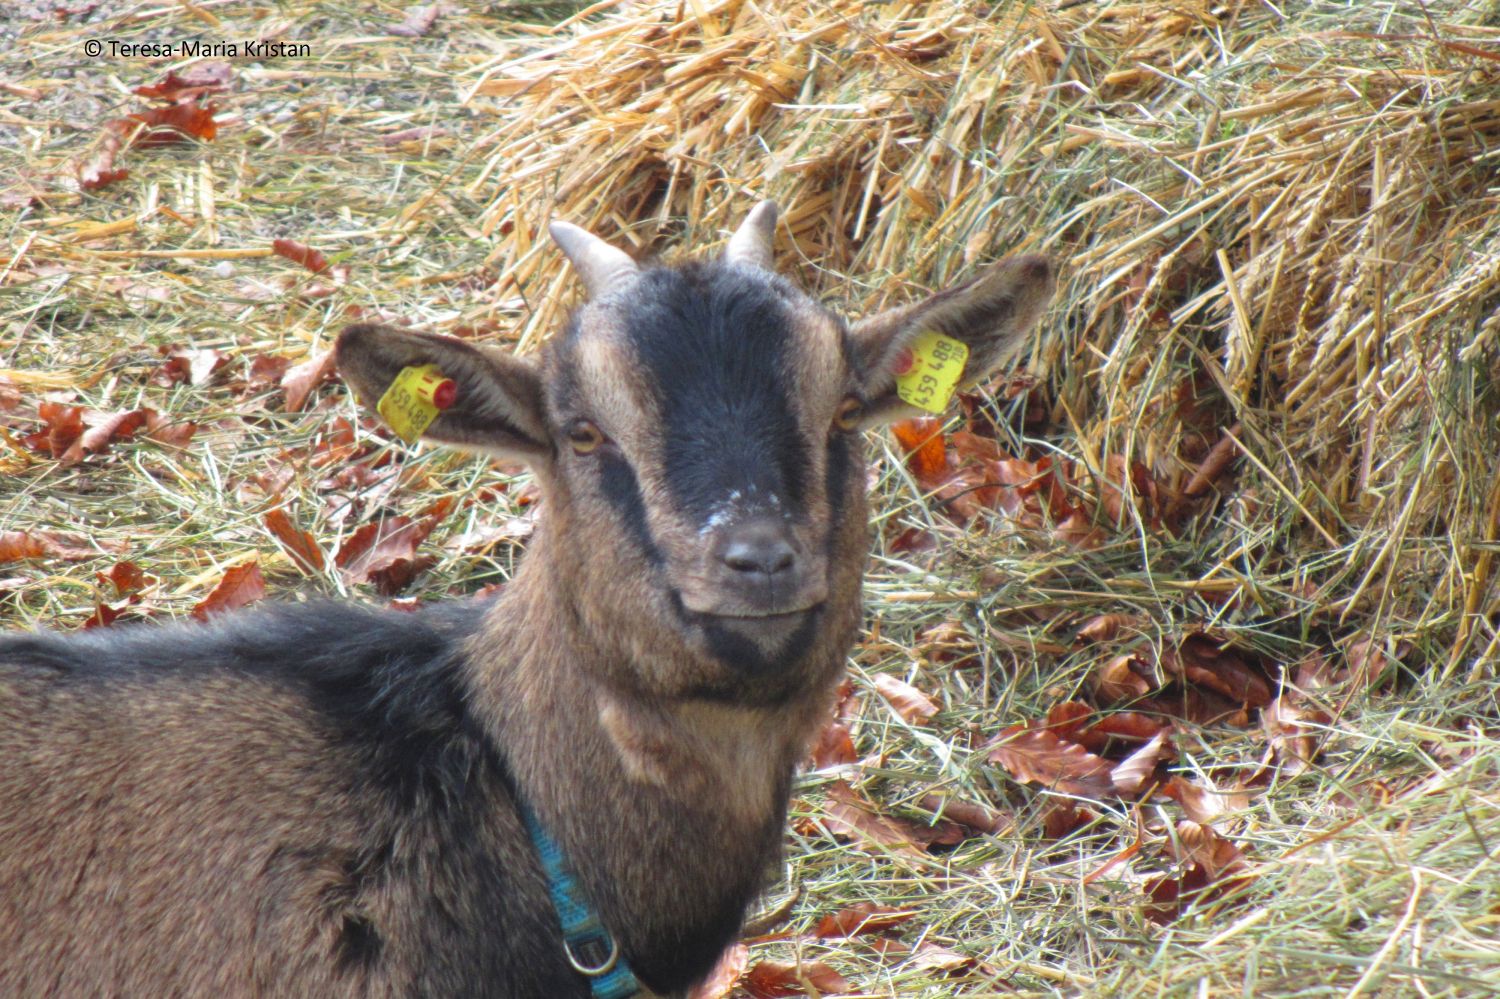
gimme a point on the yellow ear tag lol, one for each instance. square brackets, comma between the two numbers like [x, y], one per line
[415, 398]
[929, 369]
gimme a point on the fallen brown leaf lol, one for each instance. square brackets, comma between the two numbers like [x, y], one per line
[297, 543]
[849, 814]
[176, 123]
[835, 747]
[1371, 663]
[1037, 755]
[926, 453]
[385, 552]
[102, 430]
[16, 546]
[1135, 770]
[300, 253]
[192, 83]
[980, 818]
[915, 707]
[1292, 732]
[1210, 868]
[126, 578]
[241, 586]
[62, 425]
[1201, 801]
[1121, 679]
[772, 979]
[859, 918]
[1104, 627]
[301, 379]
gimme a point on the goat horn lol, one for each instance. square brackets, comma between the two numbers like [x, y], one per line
[601, 266]
[751, 242]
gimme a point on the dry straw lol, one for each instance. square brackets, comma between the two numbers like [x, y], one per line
[1292, 229]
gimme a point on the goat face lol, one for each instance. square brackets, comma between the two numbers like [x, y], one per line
[697, 433]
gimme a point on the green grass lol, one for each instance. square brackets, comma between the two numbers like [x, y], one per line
[1368, 512]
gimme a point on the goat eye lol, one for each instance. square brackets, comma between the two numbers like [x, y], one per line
[849, 413]
[584, 436]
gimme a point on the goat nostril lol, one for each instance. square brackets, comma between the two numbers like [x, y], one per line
[758, 553]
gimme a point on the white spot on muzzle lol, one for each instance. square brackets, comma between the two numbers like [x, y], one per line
[738, 505]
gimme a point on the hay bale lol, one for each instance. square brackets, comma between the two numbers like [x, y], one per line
[1306, 247]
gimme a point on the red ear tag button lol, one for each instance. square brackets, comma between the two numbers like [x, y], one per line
[904, 360]
[445, 393]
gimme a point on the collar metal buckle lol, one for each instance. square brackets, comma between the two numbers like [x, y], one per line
[601, 951]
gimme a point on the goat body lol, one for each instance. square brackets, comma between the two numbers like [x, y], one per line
[323, 800]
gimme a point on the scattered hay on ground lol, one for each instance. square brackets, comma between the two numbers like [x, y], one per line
[1265, 445]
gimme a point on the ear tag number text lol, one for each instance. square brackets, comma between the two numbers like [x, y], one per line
[936, 365]
[415, 398]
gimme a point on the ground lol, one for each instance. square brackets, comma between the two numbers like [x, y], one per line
[1180, 670]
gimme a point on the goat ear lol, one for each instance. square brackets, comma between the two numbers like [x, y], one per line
[498, 406]
[989, 314]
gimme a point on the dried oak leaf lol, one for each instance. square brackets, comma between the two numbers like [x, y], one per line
[102, 429]
[915, 707]
[190, 84]
[859, 918]
[772, 979]
[1038, 756]
[385, 552]
[1132, 773]
[300, 253]
[849, 814]
[1293, 731]
[300, 545]
[16, 546]
[242, 585]
[176, 123]
[126, 577]
[1210, 868]
[926, 452]
[1201, 659]
[301, 379]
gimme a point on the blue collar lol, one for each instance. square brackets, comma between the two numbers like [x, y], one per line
[590, 948]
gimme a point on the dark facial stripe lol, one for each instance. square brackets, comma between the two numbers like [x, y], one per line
[623, 491]
[715, 342]
[836, 483]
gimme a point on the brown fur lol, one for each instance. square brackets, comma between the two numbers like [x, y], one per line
[226, 826]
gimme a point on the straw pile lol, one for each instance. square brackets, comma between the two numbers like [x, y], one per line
[1253, 488]
[1303, 250]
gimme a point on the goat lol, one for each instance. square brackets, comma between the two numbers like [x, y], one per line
[325, 799]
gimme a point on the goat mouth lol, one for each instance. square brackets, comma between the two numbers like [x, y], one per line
[766, 617]
[765, 623]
